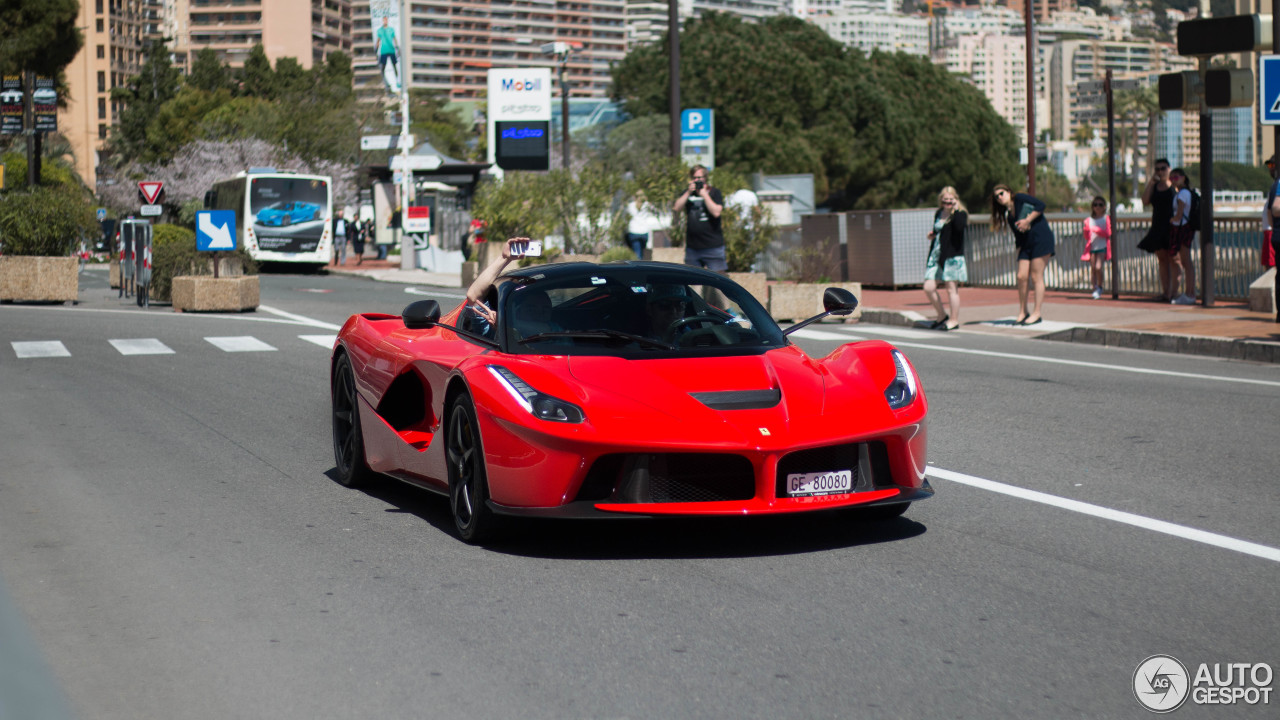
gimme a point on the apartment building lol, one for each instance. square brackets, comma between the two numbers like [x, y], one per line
[307, 30]
[1076, 61]
[453, 43]
[118, 33]
[852, 25]
[646, 20]
[115, 36]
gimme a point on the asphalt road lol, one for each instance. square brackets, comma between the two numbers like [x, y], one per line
[173, 545]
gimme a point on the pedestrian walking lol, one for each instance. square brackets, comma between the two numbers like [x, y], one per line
[1158, 194]
[1033, 237]
[946, 258]
[355, 235]
[1181, 234]
[1097, 242]
[640, 223]
[339, 233]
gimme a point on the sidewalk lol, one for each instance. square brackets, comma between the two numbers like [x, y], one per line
[1228, 330]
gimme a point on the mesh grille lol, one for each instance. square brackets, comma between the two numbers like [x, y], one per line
[823, 459]
[670, 478]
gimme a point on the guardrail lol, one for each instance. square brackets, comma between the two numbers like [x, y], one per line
[1237, 242]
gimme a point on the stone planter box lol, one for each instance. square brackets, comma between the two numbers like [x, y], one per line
[202, 293]
[755, 283]
[39, 279]
[673, 255]
[113, 275]
[797, 301]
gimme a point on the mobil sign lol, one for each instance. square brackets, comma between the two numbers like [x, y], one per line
[519, 94]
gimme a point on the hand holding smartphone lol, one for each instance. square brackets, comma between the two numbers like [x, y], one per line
[526, 248]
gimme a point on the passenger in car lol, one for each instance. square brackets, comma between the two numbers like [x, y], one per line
[666, 305]
[481, 295]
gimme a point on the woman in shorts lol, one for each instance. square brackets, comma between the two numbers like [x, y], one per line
[1033, 238]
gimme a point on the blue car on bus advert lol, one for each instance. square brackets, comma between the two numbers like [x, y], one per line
[288, 212]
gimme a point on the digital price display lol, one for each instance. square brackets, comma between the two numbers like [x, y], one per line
[523, 145]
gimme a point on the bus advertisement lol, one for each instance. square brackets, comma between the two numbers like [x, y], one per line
[281, 216]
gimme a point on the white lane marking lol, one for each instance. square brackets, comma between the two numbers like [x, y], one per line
[240, 343]
[300, 319]
[324, 341]
[153, 315]
[1187, 533]
[808, 334]
[434, 293]
[141, 346]
[1082, 363]
[40, 349]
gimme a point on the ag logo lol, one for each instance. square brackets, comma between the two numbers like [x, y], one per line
[1161, 683]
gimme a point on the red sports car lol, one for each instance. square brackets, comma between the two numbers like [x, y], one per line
[632, 388]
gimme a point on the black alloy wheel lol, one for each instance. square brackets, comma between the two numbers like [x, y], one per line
[468, 484]
[348, 440]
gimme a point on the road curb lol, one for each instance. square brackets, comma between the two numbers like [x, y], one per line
[1229, 348]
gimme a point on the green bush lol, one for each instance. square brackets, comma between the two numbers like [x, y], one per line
[173, 253]
[46, 221]
[616, 253]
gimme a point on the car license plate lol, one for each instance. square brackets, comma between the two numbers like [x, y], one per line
[819, 483]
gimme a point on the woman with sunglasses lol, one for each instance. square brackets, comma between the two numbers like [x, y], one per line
[1181, 235]
[1158, 194]
[946, 258]
[1097, 242]
[1034, 239]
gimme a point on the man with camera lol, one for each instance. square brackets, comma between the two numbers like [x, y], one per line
[704, 240]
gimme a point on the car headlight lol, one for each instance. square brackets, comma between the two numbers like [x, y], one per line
[903, 390]
[539, 404]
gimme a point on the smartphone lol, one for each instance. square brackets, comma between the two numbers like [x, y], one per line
[533, 248]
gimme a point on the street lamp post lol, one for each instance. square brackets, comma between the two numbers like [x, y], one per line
[560, 51]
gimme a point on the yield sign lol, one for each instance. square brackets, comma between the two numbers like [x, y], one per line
[150, 190]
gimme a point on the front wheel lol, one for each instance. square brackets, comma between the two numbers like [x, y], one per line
[468, 483]
[348, 440]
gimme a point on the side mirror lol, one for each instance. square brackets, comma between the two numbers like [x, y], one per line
[838, 301]
[421, 314]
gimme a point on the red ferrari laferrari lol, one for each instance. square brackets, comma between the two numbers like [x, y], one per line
[631, 388]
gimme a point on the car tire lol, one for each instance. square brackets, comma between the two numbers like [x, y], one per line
[348, 439]
[468, 481]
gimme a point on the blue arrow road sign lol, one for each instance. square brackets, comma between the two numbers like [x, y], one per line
[696, 124]
[1269, 89]
[215, 230]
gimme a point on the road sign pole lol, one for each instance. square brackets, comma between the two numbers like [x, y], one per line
[1111, 188]
[1206, 195]
[1275, 48]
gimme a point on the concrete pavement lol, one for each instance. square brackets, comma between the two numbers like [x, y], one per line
[1229, 329]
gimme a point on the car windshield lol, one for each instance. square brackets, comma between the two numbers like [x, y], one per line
[636, 312]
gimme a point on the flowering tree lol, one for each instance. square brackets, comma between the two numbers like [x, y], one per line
[198, 165]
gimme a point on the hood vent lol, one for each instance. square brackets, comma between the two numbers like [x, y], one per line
[739, 399]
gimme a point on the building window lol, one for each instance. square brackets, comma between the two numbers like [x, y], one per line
[102, 131]
[102, 81]
[102, 108]
[99, 7]
[102, 51]
[100, 25]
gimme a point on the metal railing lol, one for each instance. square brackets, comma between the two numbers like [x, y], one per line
[1237, 241]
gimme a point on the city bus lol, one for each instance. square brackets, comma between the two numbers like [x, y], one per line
[281, 217]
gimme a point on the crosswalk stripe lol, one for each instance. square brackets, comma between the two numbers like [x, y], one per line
[40, 349]
[240, 343]
[141, 346]
[324, 341]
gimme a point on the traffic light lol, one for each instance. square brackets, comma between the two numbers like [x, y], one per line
[1221, 35]
[1180, 91]
[1227, 88]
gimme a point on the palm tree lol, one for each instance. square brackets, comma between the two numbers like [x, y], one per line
[1083, 134]
[1135, 107]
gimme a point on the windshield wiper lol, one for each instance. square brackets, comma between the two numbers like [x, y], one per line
[614, 335]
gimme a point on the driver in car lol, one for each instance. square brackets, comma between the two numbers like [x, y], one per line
[666, 307]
